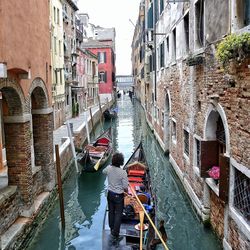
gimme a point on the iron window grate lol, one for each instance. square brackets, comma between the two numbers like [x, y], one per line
[242, 194]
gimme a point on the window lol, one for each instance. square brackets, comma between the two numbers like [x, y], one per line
[162, 55]
[199, 23]
[243, 12]
[242, 194]
[174, 131]
[162, 119]
[174, 44]
[60, 48]
[102, 77]
[101, 57]
[186, 31]
[54, 14]
[56, 79]
[197, 148]
[58, 17]
[167, 50]
[161, 6]
[186, 142]
[55, 45]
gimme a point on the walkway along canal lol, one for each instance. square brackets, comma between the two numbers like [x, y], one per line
[85, 197]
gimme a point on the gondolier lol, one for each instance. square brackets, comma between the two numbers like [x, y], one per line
[117, 184]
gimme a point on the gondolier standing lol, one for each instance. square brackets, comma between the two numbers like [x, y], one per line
[117, 185]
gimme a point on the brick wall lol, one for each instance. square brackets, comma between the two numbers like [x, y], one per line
[18, 155]
[9, 204]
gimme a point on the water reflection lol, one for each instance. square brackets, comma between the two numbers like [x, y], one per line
[85, 197]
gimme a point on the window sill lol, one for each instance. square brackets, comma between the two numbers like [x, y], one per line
[198, 51]
[197, 171]
[174, 141]
[240, 220]
[213, 186]
[186, 158]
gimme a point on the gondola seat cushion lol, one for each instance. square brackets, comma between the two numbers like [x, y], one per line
[136, 172]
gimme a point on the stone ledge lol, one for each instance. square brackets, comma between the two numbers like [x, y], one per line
[6, 193]
[14, 231]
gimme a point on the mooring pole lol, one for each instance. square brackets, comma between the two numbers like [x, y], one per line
[87, 125]
[59, 183]
[92, 122]
[100, 108]
[72, 146]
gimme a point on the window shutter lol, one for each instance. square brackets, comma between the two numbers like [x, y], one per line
[224, 177]
[105, 76]
[99, 77]
[98, 55]
[104, 57]
[209, 156]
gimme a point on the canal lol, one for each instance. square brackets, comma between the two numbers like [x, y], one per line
[85, 200]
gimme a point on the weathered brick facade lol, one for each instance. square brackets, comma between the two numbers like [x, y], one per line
[199, 109]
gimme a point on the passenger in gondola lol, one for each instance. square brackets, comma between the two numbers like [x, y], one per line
[117, 185]
[164, 236]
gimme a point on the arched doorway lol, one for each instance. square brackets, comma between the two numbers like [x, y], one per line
[15, 139]
[41, 137]
[215, 153]
[166, 122]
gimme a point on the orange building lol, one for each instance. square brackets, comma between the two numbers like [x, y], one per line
[27, 116]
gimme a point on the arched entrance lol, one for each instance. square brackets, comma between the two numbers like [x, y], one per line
[166, 122]
[215, 152]
[16, 139]
[41, 128]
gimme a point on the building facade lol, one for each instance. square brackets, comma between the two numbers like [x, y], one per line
[197, 103]
[70, 54]
[26, 106]
[57, 59]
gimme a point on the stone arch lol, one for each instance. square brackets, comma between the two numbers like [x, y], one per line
[13, 97]
[15, 137]
[38, 95]
[167, 114]
[215, 111]
[41, 127]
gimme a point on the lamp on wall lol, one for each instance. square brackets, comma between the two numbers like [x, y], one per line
[3, 70]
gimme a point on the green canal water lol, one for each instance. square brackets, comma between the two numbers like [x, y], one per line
[85, 196]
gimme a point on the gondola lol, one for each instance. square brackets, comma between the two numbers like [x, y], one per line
[139, 179]
[109, 114]
[96, 154]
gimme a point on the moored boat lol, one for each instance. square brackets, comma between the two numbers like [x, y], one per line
[109, 114]
[96, 154]
[135, 227]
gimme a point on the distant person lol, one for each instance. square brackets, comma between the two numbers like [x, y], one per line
[117, 185]
[130, 93]
[164, 236]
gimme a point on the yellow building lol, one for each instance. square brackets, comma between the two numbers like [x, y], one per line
[57, 62]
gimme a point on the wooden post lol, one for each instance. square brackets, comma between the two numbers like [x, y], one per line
[72, 146]
[1, 144]
[92, 122]
[59, 182]
[100, 108]
[87, 125]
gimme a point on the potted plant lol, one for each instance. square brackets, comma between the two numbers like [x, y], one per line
[233, 50]
[214, 173]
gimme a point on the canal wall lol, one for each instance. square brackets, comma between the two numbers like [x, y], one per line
[17, 229]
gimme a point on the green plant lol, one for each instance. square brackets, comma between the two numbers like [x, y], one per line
[236, 47]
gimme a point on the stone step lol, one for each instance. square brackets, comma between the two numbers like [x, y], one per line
[17, 228]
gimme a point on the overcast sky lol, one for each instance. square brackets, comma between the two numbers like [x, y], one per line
[115, 13]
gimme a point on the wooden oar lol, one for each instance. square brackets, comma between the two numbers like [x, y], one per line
[97, 165]
[141, 216]
[151, 222]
